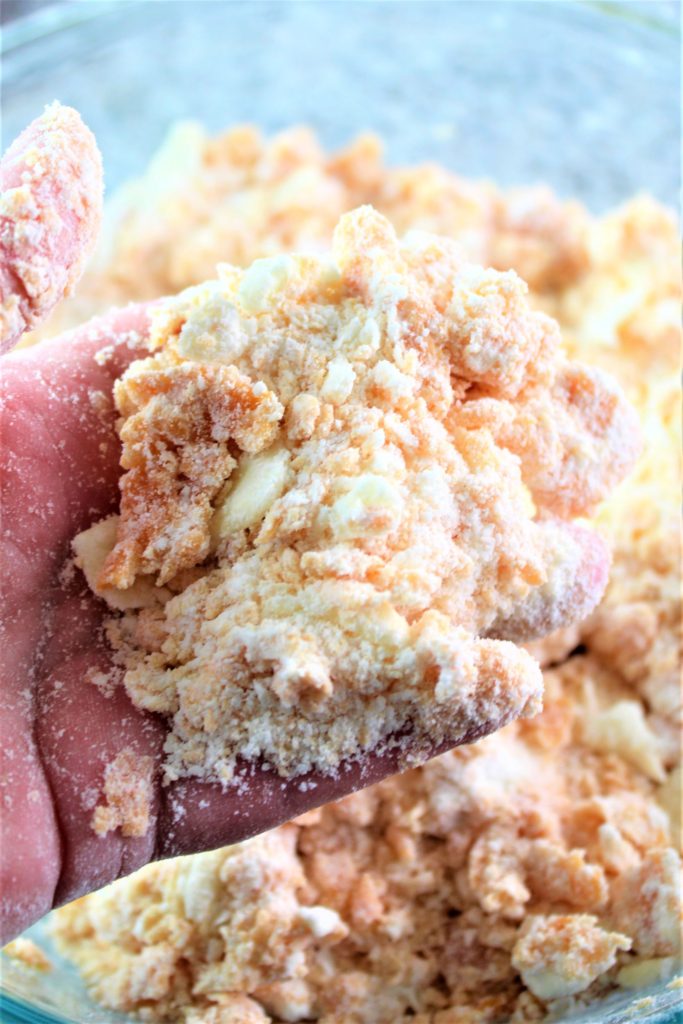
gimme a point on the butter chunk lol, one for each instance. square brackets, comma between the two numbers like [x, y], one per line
[647, 972]
[372, 505]
[622, 729]
[323, 922]
[302, 416]
[262, 282]
[258, 482]
[91, 548]
[338, 381]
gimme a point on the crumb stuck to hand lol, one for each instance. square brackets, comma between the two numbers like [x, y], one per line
[127, 794]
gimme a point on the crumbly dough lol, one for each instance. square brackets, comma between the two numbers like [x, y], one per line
[127, 795]
[239, 197]
[369, 464]
[26, 952]
[433, 898]
[501, 879]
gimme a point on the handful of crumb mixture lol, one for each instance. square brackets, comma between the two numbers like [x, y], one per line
[349, 482]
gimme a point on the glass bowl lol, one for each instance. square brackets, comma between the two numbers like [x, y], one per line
[583, 96]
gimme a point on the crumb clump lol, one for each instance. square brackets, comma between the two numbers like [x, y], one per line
[435, 872]
[346, 482]
[127, 793]
[26, 952]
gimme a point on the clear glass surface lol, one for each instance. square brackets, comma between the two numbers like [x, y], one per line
[583, 96]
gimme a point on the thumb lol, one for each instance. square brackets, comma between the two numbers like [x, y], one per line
[51, 190]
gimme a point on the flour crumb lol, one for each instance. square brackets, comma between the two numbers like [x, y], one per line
[128, 795]
[28, 953]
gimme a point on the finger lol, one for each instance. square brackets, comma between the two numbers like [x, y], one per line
[29, 836]
[50, 212]
[58, 467]
[196, 816]
[578, 562]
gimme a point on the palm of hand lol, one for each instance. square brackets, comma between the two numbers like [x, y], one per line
[58, 728]
[59, 466]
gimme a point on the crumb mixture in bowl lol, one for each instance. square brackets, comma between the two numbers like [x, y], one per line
[513, 879]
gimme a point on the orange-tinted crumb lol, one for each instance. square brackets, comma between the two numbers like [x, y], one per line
[127, 793]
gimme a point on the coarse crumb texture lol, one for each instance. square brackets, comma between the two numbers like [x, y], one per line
[239, 197]
[502, 881]
[127, 795]
[351, 473]
[50, 211]
[26, 952]
[523, 874]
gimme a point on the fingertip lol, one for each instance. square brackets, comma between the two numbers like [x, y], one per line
[578, 563]
[50, 211]
[594, 566]
[582, 582]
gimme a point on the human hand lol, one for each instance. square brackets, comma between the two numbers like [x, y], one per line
[60, 468]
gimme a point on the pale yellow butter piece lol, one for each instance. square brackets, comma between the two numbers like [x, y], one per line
[339, 381]
[372, 505]
[213, 332]
[262, 281]
[257, 483]
[302, 416]
[91, 548]
[647, 972]
[360, 336]
[323, 922]
[622, 729]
